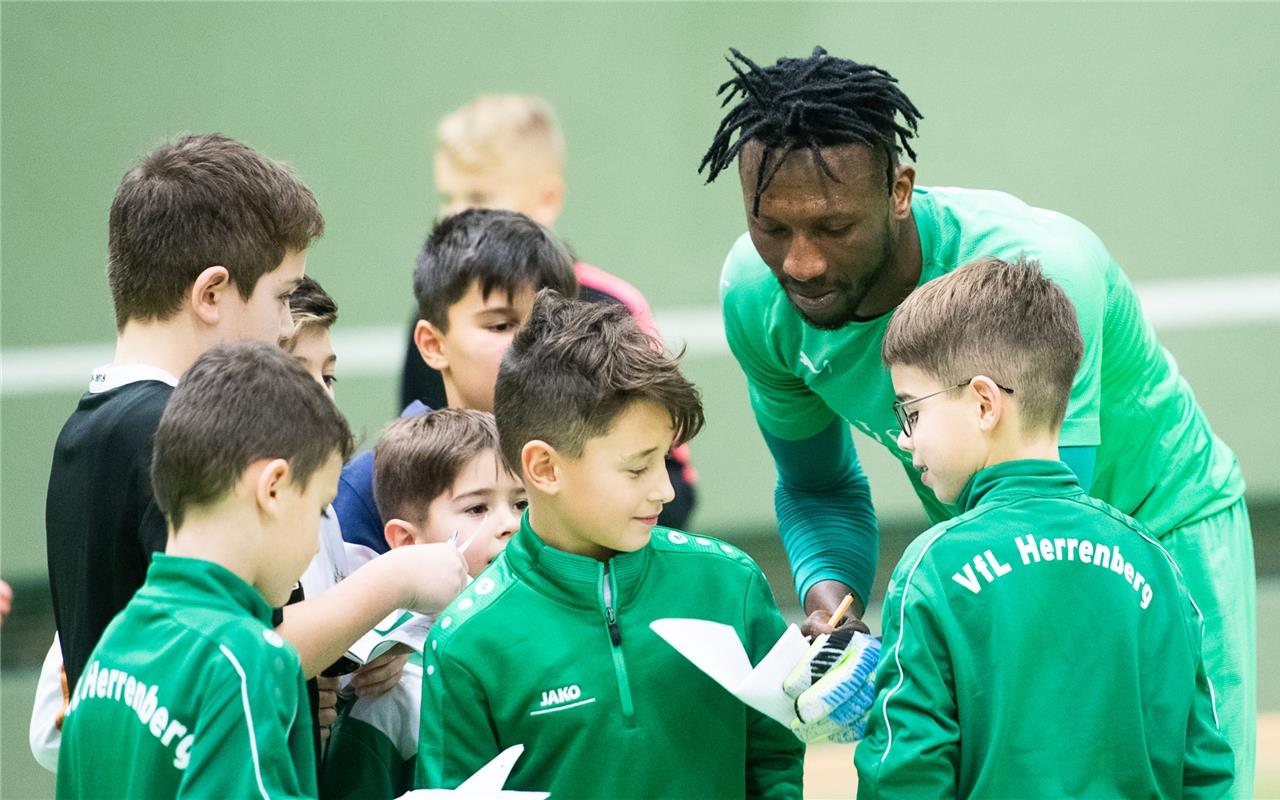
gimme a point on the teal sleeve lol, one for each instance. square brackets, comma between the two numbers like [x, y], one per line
[825, 517]
[363, 762]
[1081, 460]
[775, 757]
[456, 736]
[782, 402]
[912, 744]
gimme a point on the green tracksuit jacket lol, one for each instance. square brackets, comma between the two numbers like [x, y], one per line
[1040, 644]
[373, 747]
[190, 693]
[554, 651]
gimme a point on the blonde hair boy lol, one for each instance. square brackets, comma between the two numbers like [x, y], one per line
[502, 151]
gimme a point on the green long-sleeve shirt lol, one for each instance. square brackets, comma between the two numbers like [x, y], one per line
[373, 747]
[190, 693]
[1040, 644]
[554, 651]
[1157, 459]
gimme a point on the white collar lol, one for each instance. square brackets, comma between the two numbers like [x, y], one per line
[113, 376]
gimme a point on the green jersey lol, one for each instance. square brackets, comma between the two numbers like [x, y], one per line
[373, 747]
[189, 693]
[1156, 459]
[554, 651]
[1040, 644]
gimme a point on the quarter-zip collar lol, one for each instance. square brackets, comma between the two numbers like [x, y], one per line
[177, 580]
[571, 578]
[1009, 480]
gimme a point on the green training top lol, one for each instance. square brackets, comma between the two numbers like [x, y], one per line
[373, 746]
[190, 693]
[554, 651]
[1157, 459]
[1041, 644]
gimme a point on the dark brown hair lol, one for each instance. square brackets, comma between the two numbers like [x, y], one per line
[989, 317]
[240, 403]
[418, 458]
[198, 202]
[574, 367]
[495, 249]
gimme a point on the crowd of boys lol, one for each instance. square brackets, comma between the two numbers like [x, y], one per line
[246, 608]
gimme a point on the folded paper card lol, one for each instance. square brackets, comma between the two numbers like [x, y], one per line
[399, 627]
[486, 784]
[716, 649]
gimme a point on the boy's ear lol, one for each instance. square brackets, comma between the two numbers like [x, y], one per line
[208, 294]
[991, 402]
[268, 484]
[430, 342]
[399, 533]
[539, 461]
[549, 200]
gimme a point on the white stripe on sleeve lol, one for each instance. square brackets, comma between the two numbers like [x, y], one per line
[248, 719]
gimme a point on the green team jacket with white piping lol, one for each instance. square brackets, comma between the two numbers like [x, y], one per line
[553, 651]
[190, 693]
[1040, 644]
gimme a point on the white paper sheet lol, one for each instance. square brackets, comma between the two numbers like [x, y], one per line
[399, 627]
[716, 649]
[486, 784]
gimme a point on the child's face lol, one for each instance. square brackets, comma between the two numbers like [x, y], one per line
[483, 506]
[294, 538]
[610, 498]
[265, 316]
[480, 331]
[501, 185]
[946, 442]
[313, 347]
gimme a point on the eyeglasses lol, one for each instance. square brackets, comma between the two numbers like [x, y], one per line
[905, 418]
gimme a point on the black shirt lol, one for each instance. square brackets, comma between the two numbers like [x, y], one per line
[101, 520]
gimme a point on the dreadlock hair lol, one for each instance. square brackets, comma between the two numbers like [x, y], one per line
[809, 103]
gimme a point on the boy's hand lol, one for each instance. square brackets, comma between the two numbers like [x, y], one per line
[327, 707]
[430, 575]
[380, 675]
[66, 699]
[834, 687]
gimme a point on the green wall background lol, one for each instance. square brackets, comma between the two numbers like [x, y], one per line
[1152, 123]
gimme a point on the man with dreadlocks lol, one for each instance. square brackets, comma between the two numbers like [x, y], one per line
[838, 234]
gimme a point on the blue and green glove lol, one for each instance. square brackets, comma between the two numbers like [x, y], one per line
[834, 687]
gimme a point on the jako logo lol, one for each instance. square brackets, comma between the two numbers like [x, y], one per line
[567, 694]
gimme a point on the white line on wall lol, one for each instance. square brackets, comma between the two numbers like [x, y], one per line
[378, 350]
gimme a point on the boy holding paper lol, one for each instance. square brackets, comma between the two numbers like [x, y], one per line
[438, 477]
[1040, 643]
[551, 647]
[190, 691]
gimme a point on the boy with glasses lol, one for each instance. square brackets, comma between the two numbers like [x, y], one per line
[1039, 643]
